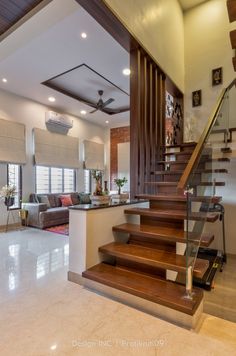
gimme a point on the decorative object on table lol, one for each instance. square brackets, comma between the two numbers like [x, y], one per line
[99, 197]
[196, 98]
[8, 193]
[217, 76]
[120, 197]
[23, 213]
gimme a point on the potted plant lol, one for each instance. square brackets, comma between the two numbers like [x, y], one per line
[8, 193]
[99, 197]
[120, 197]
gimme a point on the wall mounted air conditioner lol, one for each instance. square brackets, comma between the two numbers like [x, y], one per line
[56, 122]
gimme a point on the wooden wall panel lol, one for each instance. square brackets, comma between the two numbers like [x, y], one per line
[147, 119]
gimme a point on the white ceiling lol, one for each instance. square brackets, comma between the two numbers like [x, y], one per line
[188, 4]
[32, 54]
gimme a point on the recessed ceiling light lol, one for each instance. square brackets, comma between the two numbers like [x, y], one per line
[4, 80]
[83, 112]
[107, 122]
[84, 35]
[126, 71]
[53, 347]
[51, 99]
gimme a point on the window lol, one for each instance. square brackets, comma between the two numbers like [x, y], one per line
[14, 177]
[54, 180]
[87, 181]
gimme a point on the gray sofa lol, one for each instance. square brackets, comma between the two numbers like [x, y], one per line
[46, 210]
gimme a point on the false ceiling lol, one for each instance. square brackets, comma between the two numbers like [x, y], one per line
[33, 54]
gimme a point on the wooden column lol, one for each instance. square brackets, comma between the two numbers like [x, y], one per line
[147, 119]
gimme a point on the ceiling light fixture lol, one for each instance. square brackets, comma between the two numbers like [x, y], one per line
[126, 71]
[53, 347]
[4, 80]
[84, 35]
[107, 122]
[83, 112]
[51, 99]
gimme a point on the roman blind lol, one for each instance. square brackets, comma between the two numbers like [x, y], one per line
[55, 150]
[93, 155]
[12, 142]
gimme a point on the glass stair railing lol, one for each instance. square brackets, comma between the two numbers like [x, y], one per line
[202, 176]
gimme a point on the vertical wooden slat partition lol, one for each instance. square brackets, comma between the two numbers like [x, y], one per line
[147, 119]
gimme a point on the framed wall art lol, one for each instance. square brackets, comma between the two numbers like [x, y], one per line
[217, 76]
[196, 98]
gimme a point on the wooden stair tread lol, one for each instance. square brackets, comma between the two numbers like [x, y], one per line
[172, 214]
[185, 144]
[210, 184]
[159, 291]
[221, 159]
[172, 162]
[154, 257]
[167, 172]
[220, 170]
[179, 153]
[161, 197]
[204, 184]
[164, 232]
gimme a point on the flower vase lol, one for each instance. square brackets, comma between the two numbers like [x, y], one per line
[9, 201]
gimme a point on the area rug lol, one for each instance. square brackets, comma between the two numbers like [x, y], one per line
[59, 229]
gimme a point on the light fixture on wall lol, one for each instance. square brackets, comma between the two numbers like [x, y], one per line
[126, 71]
[4, 80]
[51, 99]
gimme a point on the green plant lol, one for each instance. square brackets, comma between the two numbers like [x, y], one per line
[120, 182]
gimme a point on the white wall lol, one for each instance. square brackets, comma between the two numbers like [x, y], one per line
[158, 25]
[207, 46]
[32, 114]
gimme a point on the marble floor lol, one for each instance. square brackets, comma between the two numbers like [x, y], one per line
[44, 314]
[221, 301]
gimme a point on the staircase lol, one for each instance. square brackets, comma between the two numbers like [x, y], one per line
[144, 265]
[151, 265]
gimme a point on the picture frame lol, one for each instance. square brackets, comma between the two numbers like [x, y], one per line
[196, 98]
[217, 76]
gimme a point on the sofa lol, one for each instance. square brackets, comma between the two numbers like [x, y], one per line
[47, 210]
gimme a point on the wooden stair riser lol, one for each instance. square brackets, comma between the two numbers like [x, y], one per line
[173, 215]
[154, 244]
[167, 190]
[171, 177]
[147, 220]
[151, 243]
[157, 233]
[141, 268]
[151, 257]
[178, 205]
[158, 291]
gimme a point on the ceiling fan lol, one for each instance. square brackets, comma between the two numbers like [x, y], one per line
[101, 104]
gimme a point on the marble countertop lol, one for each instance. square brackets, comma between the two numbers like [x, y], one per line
[86, 207]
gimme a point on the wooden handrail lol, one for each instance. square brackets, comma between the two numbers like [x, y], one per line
[199, 147]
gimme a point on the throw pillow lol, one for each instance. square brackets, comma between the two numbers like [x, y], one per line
[84, 198]
[57, 201]
[51, 198]
[66, 200]
[75, 198]
[44, 199]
